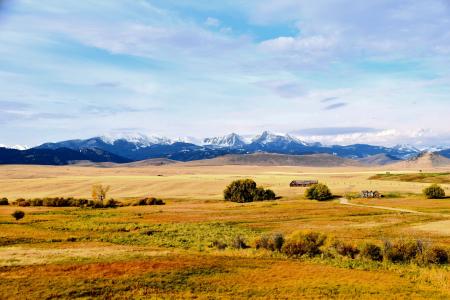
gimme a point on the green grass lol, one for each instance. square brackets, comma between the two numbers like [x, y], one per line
[122, 228]
[416, 177]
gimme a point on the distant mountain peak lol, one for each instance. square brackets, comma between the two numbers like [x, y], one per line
[229, 140]
[138, 139]
[268, 137]
[16, 147]
[405, 147]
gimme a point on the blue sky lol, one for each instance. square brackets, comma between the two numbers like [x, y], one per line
[333, 71]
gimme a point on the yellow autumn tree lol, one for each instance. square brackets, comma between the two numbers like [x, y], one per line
[99, 192]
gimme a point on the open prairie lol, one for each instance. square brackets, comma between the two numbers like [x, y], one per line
[167, 251]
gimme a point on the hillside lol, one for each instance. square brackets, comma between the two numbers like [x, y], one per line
[425, 160]
[60, 156]
[379, 160]
[270, 159]
[150, 162]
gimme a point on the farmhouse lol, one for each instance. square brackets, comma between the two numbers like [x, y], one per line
[302, 183]
[370, 194]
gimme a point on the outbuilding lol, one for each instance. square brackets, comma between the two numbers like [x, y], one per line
[303, 183]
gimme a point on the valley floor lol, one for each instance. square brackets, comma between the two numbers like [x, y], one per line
[166, 251]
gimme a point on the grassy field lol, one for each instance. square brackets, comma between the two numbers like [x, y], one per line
[166, 251]
[415, 177]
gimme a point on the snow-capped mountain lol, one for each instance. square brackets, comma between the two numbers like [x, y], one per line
[232, 140]
[16, 147]
[138, 139]
[406, 148]
[140, 146]
[270, 138]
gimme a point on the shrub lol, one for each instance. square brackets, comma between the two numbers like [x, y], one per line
[18, 214]
[319, 192]
[148, 201]
[304, 243]
[402, 251]
[239, 243]
[4, 201]
[269, 195]
[111, 203]
[345, 249]
[372, 252]
[435, 255]
[273, 242]
[245, 190]
[434, 191]
[219, 245]
[64, 202]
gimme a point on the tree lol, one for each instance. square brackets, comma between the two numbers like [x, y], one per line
[434, 191]
[319, 192]
[241, 191]
[245, 190]
[99, 192]
[18, 214]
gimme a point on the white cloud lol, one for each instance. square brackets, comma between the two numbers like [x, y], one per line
[420, 138]
[308, 44]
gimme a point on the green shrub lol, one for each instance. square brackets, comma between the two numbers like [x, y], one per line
[371, 251]
[319, 192]
[18, 214]
[345, 249]
[273, 242]
[245, 190]
[304, 243]
[4, 201]
[434, 191]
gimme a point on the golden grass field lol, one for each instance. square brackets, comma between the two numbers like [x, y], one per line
[164, 251]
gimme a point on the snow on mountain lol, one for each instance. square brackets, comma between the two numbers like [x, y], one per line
[17, 147]
[188, 140]
[269, 138]
[231, 140]
[138, 139]
[406, 148]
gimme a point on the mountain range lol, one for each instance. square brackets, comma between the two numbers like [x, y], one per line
[137, 147]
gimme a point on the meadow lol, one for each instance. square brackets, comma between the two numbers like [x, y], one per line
[168, 251]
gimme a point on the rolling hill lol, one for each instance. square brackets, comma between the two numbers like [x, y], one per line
[60, 156]
[270, 159]
[425, 160]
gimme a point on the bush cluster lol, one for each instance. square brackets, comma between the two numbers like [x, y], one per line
[245, 190]
[313, 244]
[272, 242]
[345, 249]
[4, 201]
[319, 192]
[371, 251]
[65, 202]
[148, 201]
[304, 243]
[238, 242]
[434, 191]
[405, 251]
